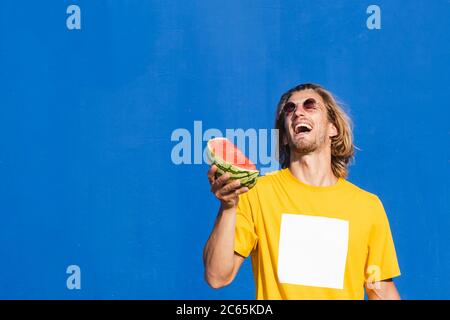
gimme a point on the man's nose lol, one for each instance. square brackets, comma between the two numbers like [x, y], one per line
[299, 111]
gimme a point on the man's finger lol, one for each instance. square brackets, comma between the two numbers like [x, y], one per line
[211, 174]
[231, 187]
[233, 194]
[242, 190]
[219, 182]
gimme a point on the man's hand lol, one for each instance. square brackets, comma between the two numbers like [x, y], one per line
[226, 190]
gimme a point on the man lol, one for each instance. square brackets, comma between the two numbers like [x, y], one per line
[311, 234]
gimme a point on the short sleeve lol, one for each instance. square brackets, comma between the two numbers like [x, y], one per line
[382, 261]
[245, 236]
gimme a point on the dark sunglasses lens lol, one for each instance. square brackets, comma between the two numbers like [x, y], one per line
[309, 103]
[289, 107]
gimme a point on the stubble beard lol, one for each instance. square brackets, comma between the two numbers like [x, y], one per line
[304, 146]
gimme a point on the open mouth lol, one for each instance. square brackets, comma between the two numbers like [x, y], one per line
[302, 128]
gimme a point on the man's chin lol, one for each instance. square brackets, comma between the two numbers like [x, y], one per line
[303, 148]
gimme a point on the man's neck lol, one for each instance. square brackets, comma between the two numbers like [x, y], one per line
[313, 169]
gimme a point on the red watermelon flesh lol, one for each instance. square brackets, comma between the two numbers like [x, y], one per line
[228, 152]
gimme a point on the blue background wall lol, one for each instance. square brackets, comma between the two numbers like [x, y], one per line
[86, 117]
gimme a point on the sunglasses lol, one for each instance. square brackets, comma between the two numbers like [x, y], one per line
[290, 107]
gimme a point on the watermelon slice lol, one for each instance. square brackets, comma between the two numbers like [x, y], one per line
[228, 158]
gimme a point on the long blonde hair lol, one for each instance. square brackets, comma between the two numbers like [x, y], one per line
[342, 148]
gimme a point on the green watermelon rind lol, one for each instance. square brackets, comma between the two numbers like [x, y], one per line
[238, 174]
[243, 178]
[235, 172]
[248, 182]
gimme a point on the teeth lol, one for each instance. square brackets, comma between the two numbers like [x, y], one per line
[302, 125]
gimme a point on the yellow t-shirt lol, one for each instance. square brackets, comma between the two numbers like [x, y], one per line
[309, 242]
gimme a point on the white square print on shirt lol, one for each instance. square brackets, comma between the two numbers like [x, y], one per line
[312, 251]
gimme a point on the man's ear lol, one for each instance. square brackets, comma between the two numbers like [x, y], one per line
[332, 130]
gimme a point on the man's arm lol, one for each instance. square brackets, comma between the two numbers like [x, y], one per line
[220, 261]
[382, 290]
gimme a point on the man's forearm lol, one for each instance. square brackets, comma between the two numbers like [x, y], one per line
[219, 249]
